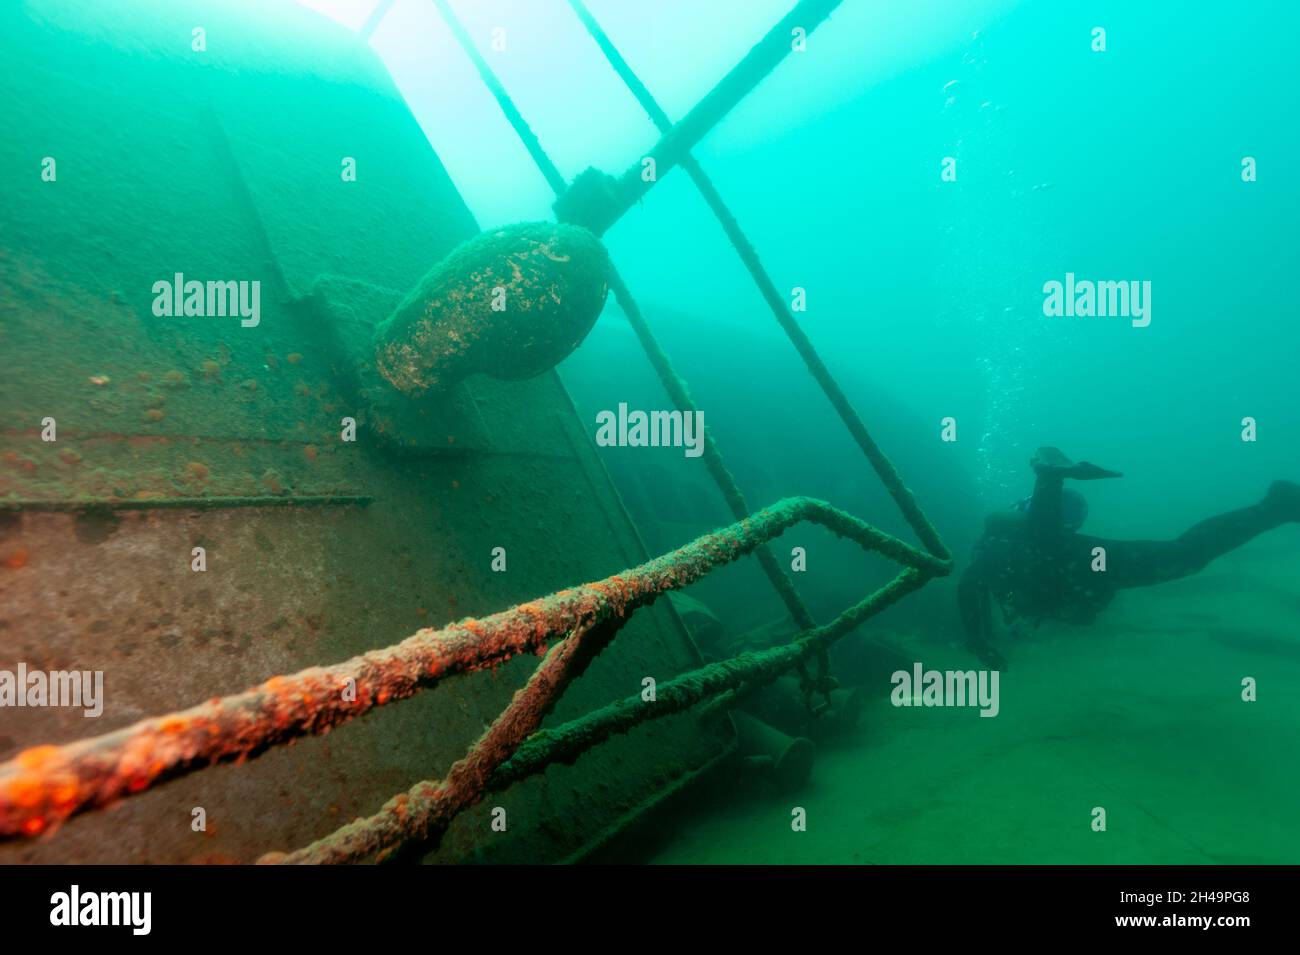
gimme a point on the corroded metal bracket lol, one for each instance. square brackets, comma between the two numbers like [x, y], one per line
[347, 311]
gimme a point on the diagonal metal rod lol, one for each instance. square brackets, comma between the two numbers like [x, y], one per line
[511, 749]
[621, 194]
[668, 376]
[722, 476]
[522, 129]
[749, 256]
[744, 672]
[376, 17]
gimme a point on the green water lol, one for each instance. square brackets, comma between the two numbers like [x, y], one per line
[926, 299]
[1174, 714]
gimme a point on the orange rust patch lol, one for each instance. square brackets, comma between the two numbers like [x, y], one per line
[37, 757]
[25, 793]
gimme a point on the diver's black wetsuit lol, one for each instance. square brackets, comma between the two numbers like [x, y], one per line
[1034, 567]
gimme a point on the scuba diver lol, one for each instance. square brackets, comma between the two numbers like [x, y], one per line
[1033, 561]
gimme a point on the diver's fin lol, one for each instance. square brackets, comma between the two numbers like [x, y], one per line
[1053, 461]
[1284, 495]
[1087, 471]
[1050, 458]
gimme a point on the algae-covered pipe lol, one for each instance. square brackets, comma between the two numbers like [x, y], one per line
[510, 303]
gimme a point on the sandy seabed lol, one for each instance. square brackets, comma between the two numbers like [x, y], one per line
[1141, 714]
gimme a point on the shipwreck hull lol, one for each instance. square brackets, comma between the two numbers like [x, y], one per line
[179, 432]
